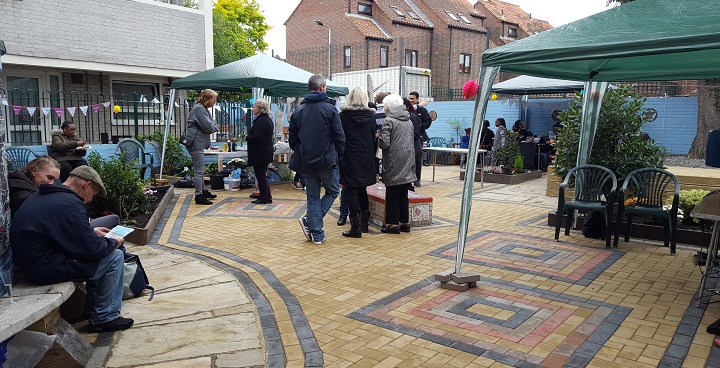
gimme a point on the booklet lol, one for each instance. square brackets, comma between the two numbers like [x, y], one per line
[119, 232]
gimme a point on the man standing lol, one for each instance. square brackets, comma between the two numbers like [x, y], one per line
[318, 141]
[425, 122]
[52, 242]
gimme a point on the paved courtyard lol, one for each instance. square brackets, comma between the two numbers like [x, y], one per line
[238, 285]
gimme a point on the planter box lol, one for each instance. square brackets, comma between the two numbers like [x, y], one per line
[505, 178]
[645, 231]
[141, 236]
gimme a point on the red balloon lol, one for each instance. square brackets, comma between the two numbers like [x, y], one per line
[470, 89]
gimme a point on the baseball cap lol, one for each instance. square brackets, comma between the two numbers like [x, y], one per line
[88, 173]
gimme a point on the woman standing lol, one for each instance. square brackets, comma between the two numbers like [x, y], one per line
[397, 143]
[357, 166]
[260, 148]
[200, 126]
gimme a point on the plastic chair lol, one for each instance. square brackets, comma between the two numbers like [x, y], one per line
[133, 152]
[595, 189]
[440, 142]
[650, 186]
[17, 157]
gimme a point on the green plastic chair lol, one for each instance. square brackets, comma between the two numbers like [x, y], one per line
[595, 190]
[441, 142]
[18, 157]
[133, 152]
[650, 186]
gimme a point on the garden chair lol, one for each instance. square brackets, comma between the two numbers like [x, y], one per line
[650, 186]
[595, 189]
[17, 157]
[440, 142]
[133, 152]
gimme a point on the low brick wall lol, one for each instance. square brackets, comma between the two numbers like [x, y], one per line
[420, 206]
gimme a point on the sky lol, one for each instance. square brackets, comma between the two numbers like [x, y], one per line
[557, 12]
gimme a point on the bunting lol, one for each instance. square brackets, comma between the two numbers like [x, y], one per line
[84, 110]
[17, 109]
[71, 110]
[45, 110]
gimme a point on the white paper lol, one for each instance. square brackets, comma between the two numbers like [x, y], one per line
[119, 232]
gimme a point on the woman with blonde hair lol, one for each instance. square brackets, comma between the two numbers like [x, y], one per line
[357, 166]
[200, 125]
[260, 148]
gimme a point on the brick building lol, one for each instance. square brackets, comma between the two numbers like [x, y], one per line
[446, 36]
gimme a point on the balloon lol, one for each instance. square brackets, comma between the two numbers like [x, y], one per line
[470, 88]
[494, 97]
[116, 108]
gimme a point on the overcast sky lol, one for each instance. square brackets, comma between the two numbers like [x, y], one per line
[557, 12]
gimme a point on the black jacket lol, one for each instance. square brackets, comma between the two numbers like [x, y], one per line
[21, 187]
[425, 121]
[52, 240]
[357, 167]
[260, 141]
[316, 135]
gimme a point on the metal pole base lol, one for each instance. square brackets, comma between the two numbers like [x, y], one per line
[460, 281]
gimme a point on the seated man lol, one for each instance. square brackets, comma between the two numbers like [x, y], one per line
[53, 242]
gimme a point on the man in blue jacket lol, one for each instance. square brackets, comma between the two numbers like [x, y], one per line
[52, 242]
[317, 139]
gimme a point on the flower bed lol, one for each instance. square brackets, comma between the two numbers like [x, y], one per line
[509, 179]
[146, 224]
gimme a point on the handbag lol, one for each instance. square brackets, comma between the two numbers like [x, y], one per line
[186, 141]
[135, 280]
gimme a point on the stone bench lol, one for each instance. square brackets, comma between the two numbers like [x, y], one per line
[37, 308]
[420, 206]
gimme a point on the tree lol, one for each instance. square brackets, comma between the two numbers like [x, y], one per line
[238, 30]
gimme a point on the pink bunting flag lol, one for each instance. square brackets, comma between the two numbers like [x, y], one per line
[58, 111]
[71, 110]
[95, 107]
[45, 110]
[17, 109]
[84, 110]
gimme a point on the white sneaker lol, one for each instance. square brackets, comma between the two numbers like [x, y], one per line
[319, 241]
[305, 229]
[297, 185]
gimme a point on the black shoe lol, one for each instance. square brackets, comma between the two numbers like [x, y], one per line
[404, 228]
[391, 229]
[200, 199]
[417, 183]
[342, 221]
[118, 324]
[209, 195]
[426, 164]
[257, 201]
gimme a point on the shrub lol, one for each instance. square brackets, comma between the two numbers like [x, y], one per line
[125, 188]
[505, 156]
[175, 157]
[689, 199]
[518, 164]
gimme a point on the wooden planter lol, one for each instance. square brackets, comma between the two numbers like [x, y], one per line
[505, 178]
[141, 236]
[645, 231]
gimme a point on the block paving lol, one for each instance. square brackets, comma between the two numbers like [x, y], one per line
[373, 301]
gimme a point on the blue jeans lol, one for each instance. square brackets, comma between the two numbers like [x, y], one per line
[105, 289]
[318, 207]
[344, 206]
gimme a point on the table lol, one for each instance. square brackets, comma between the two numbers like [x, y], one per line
[221, 155]
[709, 209]
[435, 150]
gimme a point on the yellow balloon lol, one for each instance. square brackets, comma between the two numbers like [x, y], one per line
[494, 97]
[116, 108]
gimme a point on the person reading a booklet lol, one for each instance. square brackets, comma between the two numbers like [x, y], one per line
[52, 241]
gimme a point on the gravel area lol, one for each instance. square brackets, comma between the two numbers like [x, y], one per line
[684, 161]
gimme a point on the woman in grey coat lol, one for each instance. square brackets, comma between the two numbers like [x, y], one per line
[397, 142]
[199, 127]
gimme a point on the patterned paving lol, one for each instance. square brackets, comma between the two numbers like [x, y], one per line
[279, 209]
[507, 322]
[536, 256]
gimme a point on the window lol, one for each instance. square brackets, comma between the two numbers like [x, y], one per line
[384, 56]
[127, 93]
[452, 16]
[411, 58]
[397, 11]
[512, 32]
[464, 18]
[465, 63]
[364, 9]
[412, 14]
[346, 56]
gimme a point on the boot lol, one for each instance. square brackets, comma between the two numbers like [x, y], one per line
[200, 199]
[354, 231]
[208, 195]
[342, 220]
[364, 219]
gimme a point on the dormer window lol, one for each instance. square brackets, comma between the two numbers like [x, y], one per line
[512, 32]
[464, 18]
[364, 9]
[413, 15]
[452, 16]
[397, 11]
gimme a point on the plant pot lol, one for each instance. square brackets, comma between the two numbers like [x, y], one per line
[216, 181]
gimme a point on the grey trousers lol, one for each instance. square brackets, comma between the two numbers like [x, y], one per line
[198, 160]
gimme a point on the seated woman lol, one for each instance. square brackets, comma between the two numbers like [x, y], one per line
[67, 149]
[519, 128]
[26, 180]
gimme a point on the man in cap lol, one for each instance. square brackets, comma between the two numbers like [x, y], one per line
[53, 242]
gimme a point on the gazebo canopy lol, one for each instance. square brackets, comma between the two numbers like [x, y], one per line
[526, 85]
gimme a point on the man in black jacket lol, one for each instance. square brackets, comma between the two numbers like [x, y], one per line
[52, 242]
[425, 122]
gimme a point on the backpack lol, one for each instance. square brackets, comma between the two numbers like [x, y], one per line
[135, 279]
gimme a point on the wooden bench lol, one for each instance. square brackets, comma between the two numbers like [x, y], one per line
[420, 206]
[38, 308]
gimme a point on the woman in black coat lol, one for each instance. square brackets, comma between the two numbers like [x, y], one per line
[260, 148]
[357, 165]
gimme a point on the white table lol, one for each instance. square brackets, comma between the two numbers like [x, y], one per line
[435, 150]
[221, 155]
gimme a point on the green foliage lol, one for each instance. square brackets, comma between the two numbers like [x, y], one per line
[618, 144]
[505, 156]
[175, 158]
[238, 30]
[456, 124]
[689, 199]
[518, 165]
[211, 168]
[125, 189]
